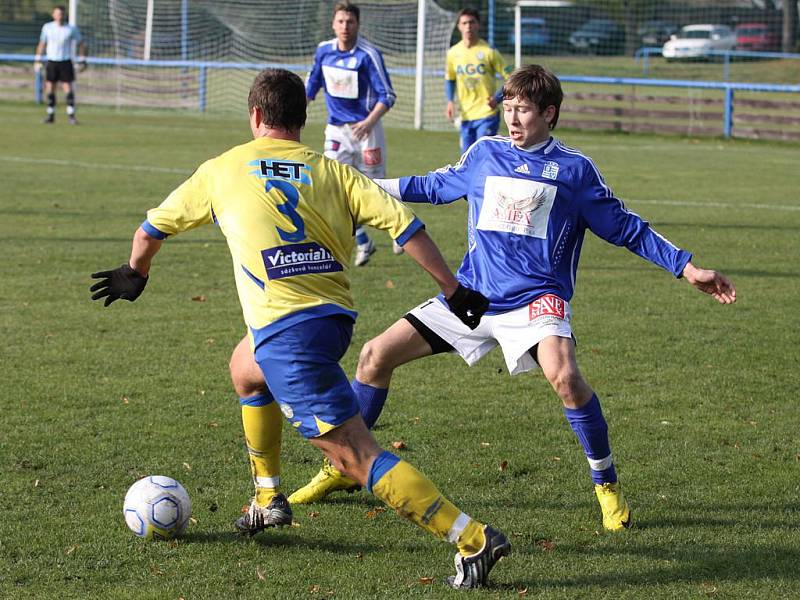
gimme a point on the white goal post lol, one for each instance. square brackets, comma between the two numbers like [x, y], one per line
[518, 21]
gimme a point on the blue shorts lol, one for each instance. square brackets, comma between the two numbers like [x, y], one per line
[301, 368]
[472, 130]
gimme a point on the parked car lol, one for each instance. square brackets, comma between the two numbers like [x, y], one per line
[756, 37]
[535, 35]
[598, 36]
[696, 41]
[656, 33]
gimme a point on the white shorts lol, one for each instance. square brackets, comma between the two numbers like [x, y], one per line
[515, 331]
[367, 155]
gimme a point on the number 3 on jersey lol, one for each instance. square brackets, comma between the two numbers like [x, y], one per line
[288, 208]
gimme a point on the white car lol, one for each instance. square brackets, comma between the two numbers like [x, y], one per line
[695, 41]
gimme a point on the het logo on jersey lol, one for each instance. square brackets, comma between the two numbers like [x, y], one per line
[269, 168]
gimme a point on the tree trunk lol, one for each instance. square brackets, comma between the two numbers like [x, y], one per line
[789, 41]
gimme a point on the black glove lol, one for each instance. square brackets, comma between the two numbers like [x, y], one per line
[122, 282]
[468, 305]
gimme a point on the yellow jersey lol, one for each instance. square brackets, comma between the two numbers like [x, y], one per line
[475, 71]
[288, 215]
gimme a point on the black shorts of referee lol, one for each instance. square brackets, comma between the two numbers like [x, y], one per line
[60, 70]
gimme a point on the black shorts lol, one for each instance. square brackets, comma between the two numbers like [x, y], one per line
[60, 70]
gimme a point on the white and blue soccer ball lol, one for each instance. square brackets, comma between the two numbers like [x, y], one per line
[157, 507]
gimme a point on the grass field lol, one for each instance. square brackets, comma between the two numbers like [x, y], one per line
[701, 399]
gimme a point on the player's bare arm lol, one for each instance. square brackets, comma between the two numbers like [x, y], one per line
[711, 282]
[37, 65]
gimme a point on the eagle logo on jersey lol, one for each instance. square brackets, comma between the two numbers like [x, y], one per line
[516, 205]
[524, 204]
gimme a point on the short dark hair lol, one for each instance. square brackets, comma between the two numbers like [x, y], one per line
[468, 12]
[60, 7]
[535, 84]
[348, 8]
[281, 97]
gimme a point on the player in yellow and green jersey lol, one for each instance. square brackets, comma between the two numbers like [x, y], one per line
[471, 74]
[288, 215]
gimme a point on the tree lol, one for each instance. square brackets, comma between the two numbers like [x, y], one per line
[789, 41]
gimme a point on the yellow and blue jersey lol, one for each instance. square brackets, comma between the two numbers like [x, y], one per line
[288, 214]
[475, 71]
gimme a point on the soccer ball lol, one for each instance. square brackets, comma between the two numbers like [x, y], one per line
[157, 507]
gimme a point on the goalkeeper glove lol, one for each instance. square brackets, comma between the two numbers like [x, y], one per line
[122, 282]
[468, 305]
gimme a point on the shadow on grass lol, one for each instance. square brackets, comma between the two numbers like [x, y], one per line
[282, 539]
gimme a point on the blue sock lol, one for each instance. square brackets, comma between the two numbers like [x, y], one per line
[590, 426]
[361, 236]
[370, 401]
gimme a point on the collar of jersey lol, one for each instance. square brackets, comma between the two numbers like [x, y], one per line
[535, 147]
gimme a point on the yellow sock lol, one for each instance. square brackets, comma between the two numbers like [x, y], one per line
[262, 421]
[416, 498]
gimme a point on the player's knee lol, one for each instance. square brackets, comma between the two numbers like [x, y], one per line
[244, 381]
[373, 359]
[569, 385]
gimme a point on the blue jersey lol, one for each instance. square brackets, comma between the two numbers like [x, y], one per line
[59, 40]
[528, 212]
[354, 80]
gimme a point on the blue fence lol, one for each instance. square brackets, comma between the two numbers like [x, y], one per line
[729, 89]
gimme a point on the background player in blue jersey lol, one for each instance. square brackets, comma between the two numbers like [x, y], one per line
[531, 200]
[286, 213]
[56, 40]
[358, 92]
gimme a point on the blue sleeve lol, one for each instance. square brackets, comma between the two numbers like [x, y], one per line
[379, 78]
[314, 80]
[450, 89]
[152, 231]
[499, 96]
[444, 185]
[606, 216]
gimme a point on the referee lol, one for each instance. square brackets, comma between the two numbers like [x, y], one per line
[58, 37]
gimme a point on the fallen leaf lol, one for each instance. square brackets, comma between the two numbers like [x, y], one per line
[71, 549]
[202, 392]
[260, 574]
[199, 298]
[359, 556]
[313, 514]
[125, 400]
[313, 589]
[371, 514]
[210, 341]
[522, 591]
[213, 424]
[426, 580]
[399, 445]
[556, 458]
[192, 520]
[187, 466]
[503, 465]
[546, 545]
[36, 483]
[485, 444]
[389, 284]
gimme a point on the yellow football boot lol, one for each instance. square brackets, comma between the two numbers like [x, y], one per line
[616, 513]
[328, 480]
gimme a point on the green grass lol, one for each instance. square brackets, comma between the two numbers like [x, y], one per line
[701, 399]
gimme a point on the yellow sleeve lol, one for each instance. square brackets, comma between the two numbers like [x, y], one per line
[449, 68]
[187, 207]
[500, 66]
[370, 205]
